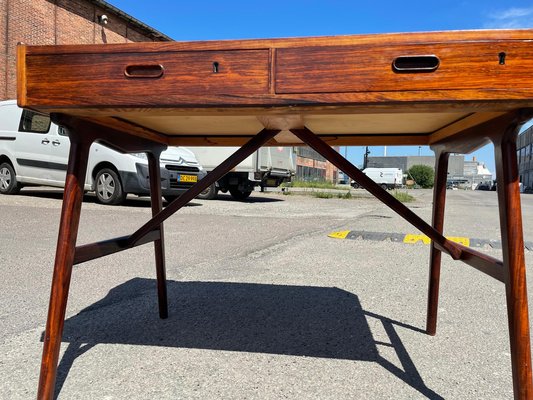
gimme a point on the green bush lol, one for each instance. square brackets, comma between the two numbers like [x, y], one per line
[330, 195]
[313, 184]
[323, 195]
[422, 175]
[404, 197]
[347, 195]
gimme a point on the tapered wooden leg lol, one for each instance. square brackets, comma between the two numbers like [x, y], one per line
[439, 200]
[514, 264]
[159, 245]
[66, 243]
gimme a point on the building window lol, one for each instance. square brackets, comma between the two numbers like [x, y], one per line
[307, 152]
[304, 173]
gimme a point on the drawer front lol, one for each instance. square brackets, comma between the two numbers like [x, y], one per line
[143, 78]
[418, 67]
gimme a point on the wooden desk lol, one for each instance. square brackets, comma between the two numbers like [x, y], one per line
[453, 91]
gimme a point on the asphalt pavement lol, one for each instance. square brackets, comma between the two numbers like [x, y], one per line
[262, 303]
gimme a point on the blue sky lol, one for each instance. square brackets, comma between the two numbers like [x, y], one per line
[232, 19]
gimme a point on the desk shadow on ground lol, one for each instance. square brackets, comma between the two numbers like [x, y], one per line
[252, 199]
[274, 319]
[131, 201]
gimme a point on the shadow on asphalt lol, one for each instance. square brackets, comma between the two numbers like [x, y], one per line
[132, 201]
[251, 199]
[286, 320]
[140, 202]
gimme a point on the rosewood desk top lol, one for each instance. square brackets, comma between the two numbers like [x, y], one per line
[426, 87]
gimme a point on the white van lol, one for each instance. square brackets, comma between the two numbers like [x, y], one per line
[387, 178]
[34, 151]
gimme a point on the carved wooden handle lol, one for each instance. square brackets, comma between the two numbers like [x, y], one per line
[423, 63]
[144, 71]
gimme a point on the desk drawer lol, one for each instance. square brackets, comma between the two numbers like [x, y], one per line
[143, 78]
[419, 67]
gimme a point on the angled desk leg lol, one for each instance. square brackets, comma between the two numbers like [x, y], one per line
[159, 245]
[66, 244]
[514, 262]
[439, 200]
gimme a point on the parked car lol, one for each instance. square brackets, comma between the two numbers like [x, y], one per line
[488, 185]
[34, 152]
[484, 186]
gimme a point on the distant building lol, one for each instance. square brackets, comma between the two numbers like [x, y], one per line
[455, 163]
[459, 170]
[524, 155]
[476, 172]
[40, 22]
[311, 166]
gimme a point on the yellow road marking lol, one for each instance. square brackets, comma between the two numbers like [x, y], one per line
[461, 240]
[339, 235]
[411, 239]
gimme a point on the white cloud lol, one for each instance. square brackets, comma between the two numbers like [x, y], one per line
[514, 13]
[511, 18]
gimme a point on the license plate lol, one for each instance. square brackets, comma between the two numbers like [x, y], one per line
[187, 178]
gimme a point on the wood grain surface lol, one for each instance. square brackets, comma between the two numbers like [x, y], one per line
[217, 91]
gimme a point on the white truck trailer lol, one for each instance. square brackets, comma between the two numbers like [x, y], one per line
[266, 167]
[387, 178]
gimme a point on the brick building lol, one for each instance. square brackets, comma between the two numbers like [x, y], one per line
[311, 166]
[39, 22]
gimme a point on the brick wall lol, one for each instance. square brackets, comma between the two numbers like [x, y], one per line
[75, 22]
[40, 22]
[3, 48]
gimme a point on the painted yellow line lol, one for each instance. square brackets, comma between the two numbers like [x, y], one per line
[339, 235]
[461, 240]
[409, 238]
[412, 239]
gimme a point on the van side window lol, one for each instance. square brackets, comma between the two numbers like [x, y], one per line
[34, 122]
[61, 130]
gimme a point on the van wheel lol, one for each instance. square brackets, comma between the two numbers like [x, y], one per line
[109, 188]
[208, 194]
[8, 179]
[384, 187]
[239, 195]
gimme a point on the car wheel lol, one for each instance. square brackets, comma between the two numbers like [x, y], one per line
[239, 195]
[8, 179]
[109, 188]
[208, 194]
